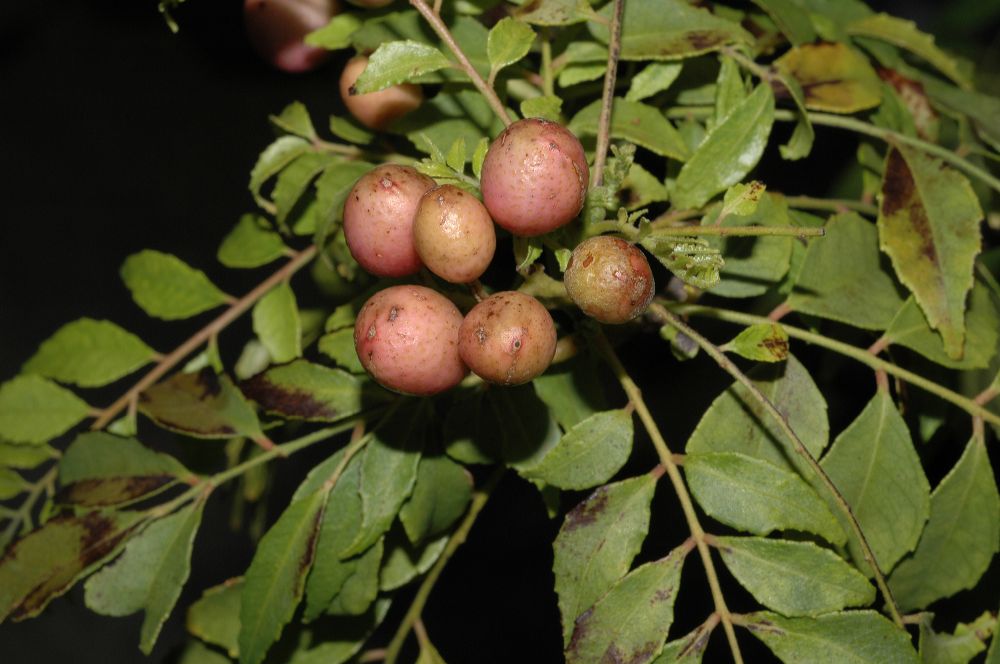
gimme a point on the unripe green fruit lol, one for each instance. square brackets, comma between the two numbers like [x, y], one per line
[378, 219]
[609, 279]
[453, 234]
[534, 178]
[407, 340]
[508, 338]
[377, 110]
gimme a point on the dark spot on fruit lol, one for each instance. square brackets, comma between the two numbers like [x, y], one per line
[481, 335]
[587, 261]
[393, 313]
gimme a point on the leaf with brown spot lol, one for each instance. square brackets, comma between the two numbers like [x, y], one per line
[928, 224]
[113, 490]
[911, 93]
[597, 542]
[48, 561]
[630, 622]
[307, 391]
[201, 405]
[834, 77]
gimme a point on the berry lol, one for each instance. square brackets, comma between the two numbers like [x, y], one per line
[609, 279]
[453, 234]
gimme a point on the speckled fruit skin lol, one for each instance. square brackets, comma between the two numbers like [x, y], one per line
[453, 234]
[371, 4]
[508, 338]
[609, 279]
[378, 219]
[377, 110]
[276, 29]
[407, 340]
[534, 179]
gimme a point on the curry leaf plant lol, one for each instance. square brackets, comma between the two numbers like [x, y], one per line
[818, 485]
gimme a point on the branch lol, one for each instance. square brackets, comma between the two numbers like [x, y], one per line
[442, 31]
[456, 540]
[200, 337]
[667, 460]
[661, 313]
[968, 405]
[608, 98]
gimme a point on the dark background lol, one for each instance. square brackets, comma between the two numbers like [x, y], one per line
[116, 135]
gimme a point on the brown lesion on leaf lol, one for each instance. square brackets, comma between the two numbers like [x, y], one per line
[275, 398]
[776, 346]
[310, 551]
[899, 194]
[208, 380]
[99, 492]
[703, 40]
[764, 626]
[587, 512]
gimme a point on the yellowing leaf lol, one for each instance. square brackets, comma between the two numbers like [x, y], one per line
[834, 77]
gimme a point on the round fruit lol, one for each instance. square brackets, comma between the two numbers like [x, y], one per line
[609, 279]
[453, 234]
[371, 4]
[276, 29]
[378, 219]
[508, 338]
[377, 110]
[534, 178]
[407, 340]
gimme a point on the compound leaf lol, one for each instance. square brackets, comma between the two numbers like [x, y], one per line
[202, 405]
[35, 410]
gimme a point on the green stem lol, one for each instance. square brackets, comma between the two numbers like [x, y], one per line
[687, 506]
[548, 77]
[456, 540]
[847, 350]
[797, 231]
[608, 95]
[727, 365]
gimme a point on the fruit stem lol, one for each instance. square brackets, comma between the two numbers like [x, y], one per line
[442, 31]
[457, 538]
[634, 395]
[661, 314]
[608, 96]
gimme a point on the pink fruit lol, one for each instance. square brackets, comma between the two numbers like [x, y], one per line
[276, 29]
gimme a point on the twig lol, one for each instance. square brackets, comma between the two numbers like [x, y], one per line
[847, 350]
[667, 460]
[727, 365]
[239, 307]
[442, 31]
[479, 499]
[796, 231]
[23, 513]
[608, 96]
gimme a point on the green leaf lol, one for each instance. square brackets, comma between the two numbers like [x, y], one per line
[653, 79]
[339, 346]
[961, 537]
[150, 574]
[166, 287]
[794, 578]
[983, 110]
[46, 562]
[852, 637]
[360, 585]
[349, 130]
[755, 496]
[404, 562]
[597, 542]
[89, 353]
[441, 493]
[25, 457]
[388, 472]
[293, 183]
[686, 650]
[276, 577]
[692, 260]
[729, 152]
[307, 391]
[340, 640]
[634, 122]
[982, 329]
[588, 454]
[336, 34]
[276, 322]
[332, 188]
[215, 617]
[553, 12]
[928, 224]
[397, 62]
[572, 391]
[670, 29]
[294, 119]
[878, 472]
[479, 156]
[546, 106]
[959, 648]
[834, 77]
[509, 41]
[251, 243]
[764, 342]
[35, 410]
[202, 405]
[460, 111]
[455, 159]
[791, 19]
[630, 622]
[736, 422]
[643, 188]
[573, 74]
[904, 34]
[742, 199]
[11, 484]
[842, 277]
[275, 157]
[195, 652]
